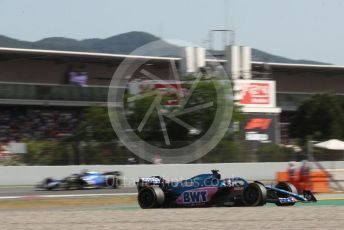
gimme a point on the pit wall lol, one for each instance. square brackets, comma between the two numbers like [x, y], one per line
[30, 175]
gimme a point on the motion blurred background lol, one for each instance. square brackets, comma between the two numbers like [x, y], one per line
[54, 91]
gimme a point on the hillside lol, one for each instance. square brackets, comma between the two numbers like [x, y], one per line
[121, 44]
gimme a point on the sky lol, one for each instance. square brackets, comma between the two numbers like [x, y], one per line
[298, 29]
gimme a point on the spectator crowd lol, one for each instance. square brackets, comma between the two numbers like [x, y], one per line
[36, 124]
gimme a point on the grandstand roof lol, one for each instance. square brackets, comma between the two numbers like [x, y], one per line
[12, 53]
[299, 66]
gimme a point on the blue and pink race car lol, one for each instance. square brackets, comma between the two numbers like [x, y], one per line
[206, 190]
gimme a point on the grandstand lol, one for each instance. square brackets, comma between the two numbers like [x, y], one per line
[41, 77]
[37, 89]
[296, 82]
[38, 99]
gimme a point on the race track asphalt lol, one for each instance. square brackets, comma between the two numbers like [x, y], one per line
[106, 214]
[28, 191]
[313, 217]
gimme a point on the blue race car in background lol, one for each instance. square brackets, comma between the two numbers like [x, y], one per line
[84, 180]
[210, 190]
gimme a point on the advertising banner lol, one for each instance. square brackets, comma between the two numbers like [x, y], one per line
[255, 93]
[260, 128]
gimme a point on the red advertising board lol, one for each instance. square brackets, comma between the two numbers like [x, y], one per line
[258, 123]
[256, 93]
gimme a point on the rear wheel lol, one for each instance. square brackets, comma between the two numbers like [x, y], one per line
[254, 195]
[112, 181]
[151, 197]
[73, 182]
[287, 187]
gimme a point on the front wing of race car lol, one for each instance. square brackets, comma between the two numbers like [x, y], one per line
[284, 197]
[51, 184]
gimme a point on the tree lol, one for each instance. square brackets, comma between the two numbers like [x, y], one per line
[95, 126]
[42, 152]
[320, 117]
[200, 119]
[94, 141]
[206, 91]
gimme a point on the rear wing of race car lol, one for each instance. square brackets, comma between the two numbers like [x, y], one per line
[148, 181]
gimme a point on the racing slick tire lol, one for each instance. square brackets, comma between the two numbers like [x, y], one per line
[151, 197]
[112, 181]
[46, 182]
[254, 195]
[73, 182]
[140, 185]
[287, 187]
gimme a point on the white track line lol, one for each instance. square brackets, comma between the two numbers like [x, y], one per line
[66, 195]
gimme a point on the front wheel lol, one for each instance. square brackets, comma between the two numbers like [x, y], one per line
[151, 197]
[287, 187]
[46, 182]
[254, 195]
